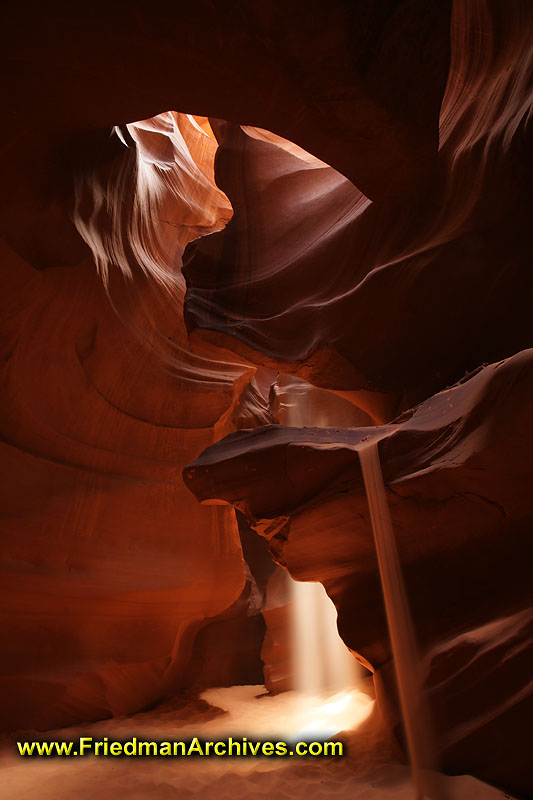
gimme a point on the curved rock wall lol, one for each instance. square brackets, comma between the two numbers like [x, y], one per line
[110, 566]
[392, 297]
[381, 262]
[457, 476]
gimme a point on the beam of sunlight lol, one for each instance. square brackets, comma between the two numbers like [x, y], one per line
[326, 674]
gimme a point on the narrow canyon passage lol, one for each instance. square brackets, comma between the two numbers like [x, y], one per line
[265, 408]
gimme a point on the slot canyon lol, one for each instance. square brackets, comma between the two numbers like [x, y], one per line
[267, 395]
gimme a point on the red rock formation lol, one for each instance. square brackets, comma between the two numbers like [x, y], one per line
[353, 294]
[106, 578]
[458, 483]
[276, 651]
[359, 84]
[382, 267]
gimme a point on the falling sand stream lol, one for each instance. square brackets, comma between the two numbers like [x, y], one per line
[224, 712]
[402, 637]
[321, 656]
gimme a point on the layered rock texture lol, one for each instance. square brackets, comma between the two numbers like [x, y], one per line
[456, 468]
[398, 297]
[110, 564]
[346, 187]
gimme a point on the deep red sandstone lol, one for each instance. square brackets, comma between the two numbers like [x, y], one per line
[111, 569]
[457, 474]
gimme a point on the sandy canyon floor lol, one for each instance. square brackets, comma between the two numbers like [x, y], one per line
[368, 771]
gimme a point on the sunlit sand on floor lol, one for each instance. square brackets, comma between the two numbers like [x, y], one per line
[243, 710]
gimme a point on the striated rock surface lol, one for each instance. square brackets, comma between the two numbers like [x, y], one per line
[357, 84]
[399, 298]
[109, 565]
[375, 157]
[457, 475]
